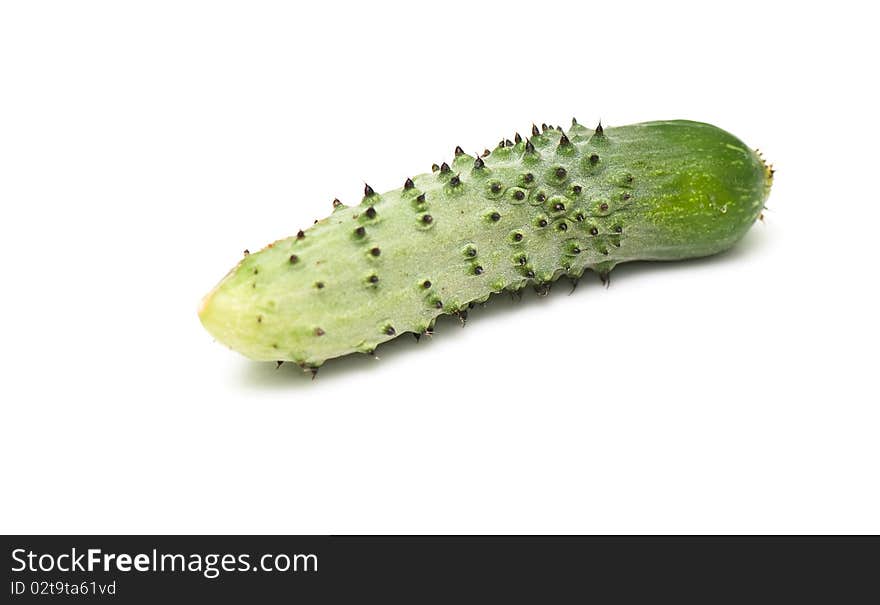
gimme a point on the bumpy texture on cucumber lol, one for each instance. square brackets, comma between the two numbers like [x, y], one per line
[530, 211]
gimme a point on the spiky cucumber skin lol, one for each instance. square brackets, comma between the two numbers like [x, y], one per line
[550, 205]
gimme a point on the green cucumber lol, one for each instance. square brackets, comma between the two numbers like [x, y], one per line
[528, 212]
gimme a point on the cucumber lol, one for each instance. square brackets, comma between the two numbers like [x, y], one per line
[527, 213]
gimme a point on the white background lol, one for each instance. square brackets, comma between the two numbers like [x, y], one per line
[144, 146]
